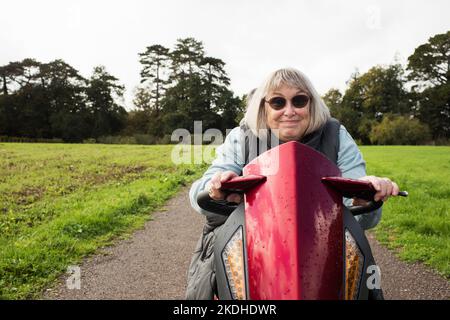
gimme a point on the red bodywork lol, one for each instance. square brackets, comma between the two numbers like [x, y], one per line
[293, 225]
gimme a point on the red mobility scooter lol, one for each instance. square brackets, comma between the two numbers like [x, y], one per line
[292, 238]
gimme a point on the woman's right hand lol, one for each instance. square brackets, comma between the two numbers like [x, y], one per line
[214, 185]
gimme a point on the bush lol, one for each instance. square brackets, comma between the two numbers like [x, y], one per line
[89, 141]
[145, 139]
[116, 140]
[30, 140]
[400, 130]
[166, 139]
[442, 142]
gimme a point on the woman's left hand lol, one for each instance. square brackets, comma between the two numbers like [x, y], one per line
[384, 187]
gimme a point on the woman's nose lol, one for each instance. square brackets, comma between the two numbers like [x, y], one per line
[289, 110]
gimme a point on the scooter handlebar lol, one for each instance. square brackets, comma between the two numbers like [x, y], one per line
[241, 184]
[369, 207]
[222, 207]
[352, 188]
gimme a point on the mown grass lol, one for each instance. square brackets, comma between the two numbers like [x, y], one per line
[61, 202]
[417, 228]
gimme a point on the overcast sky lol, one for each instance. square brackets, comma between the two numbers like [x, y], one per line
[327, 40]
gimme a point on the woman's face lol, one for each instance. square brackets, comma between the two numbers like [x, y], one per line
[291, 122]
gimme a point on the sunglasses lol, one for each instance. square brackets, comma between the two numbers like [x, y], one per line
[298, 101]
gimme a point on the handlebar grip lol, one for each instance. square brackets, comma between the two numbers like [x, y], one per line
[222, 207]
[371, 206]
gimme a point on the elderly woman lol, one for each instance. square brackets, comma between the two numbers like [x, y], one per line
[288, 108]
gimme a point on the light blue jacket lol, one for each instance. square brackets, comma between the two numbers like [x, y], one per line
[229, 157]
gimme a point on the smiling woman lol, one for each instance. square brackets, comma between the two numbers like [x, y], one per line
[286, 107]
[291, 118]
[286, 99]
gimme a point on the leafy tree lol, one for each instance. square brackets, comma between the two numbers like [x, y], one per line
[155, 62]
[430, 61]
[142, 99]
[433, 108]
[19, 114]
[65, 94]
[351, 110]
[215, 81]
[59, 74]
[70, 126]
[185, 94]
[196, 85]
[137, 122]
[19, 74]
[233, 109]
[399, 130]
[10, 75]
[429, 68]
[197, 89]
[8, 115]
[33, 113]
[369, 96]
[33, 92]
[52, 100]
[186, 58]
[103, 93]
[333, 100]
[186, 102]
[4, 73]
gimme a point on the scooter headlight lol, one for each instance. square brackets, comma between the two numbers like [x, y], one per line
[354, 262]
[233, 257]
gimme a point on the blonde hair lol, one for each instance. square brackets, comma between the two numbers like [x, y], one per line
[255, 116]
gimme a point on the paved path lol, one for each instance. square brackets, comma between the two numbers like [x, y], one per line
[152, 264]
[406, 281]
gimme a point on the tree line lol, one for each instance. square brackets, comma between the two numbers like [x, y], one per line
[386, 105]
[179, 86]
[52, 100]
[396, 105]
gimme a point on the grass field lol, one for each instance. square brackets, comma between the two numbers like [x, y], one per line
[417, 228]
[60, 202]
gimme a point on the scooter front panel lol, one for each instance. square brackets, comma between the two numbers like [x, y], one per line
[293, 226]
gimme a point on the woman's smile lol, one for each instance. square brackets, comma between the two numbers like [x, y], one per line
[289, 123]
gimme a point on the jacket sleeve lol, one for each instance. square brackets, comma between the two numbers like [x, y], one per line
[352, 165]
[228, 158]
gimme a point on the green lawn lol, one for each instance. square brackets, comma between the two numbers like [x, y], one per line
[417, 228]
[60, 202]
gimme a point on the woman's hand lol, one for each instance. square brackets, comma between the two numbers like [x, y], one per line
[214, 185]
[384, 187]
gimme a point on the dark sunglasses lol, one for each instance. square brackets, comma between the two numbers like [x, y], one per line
[298, 101]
